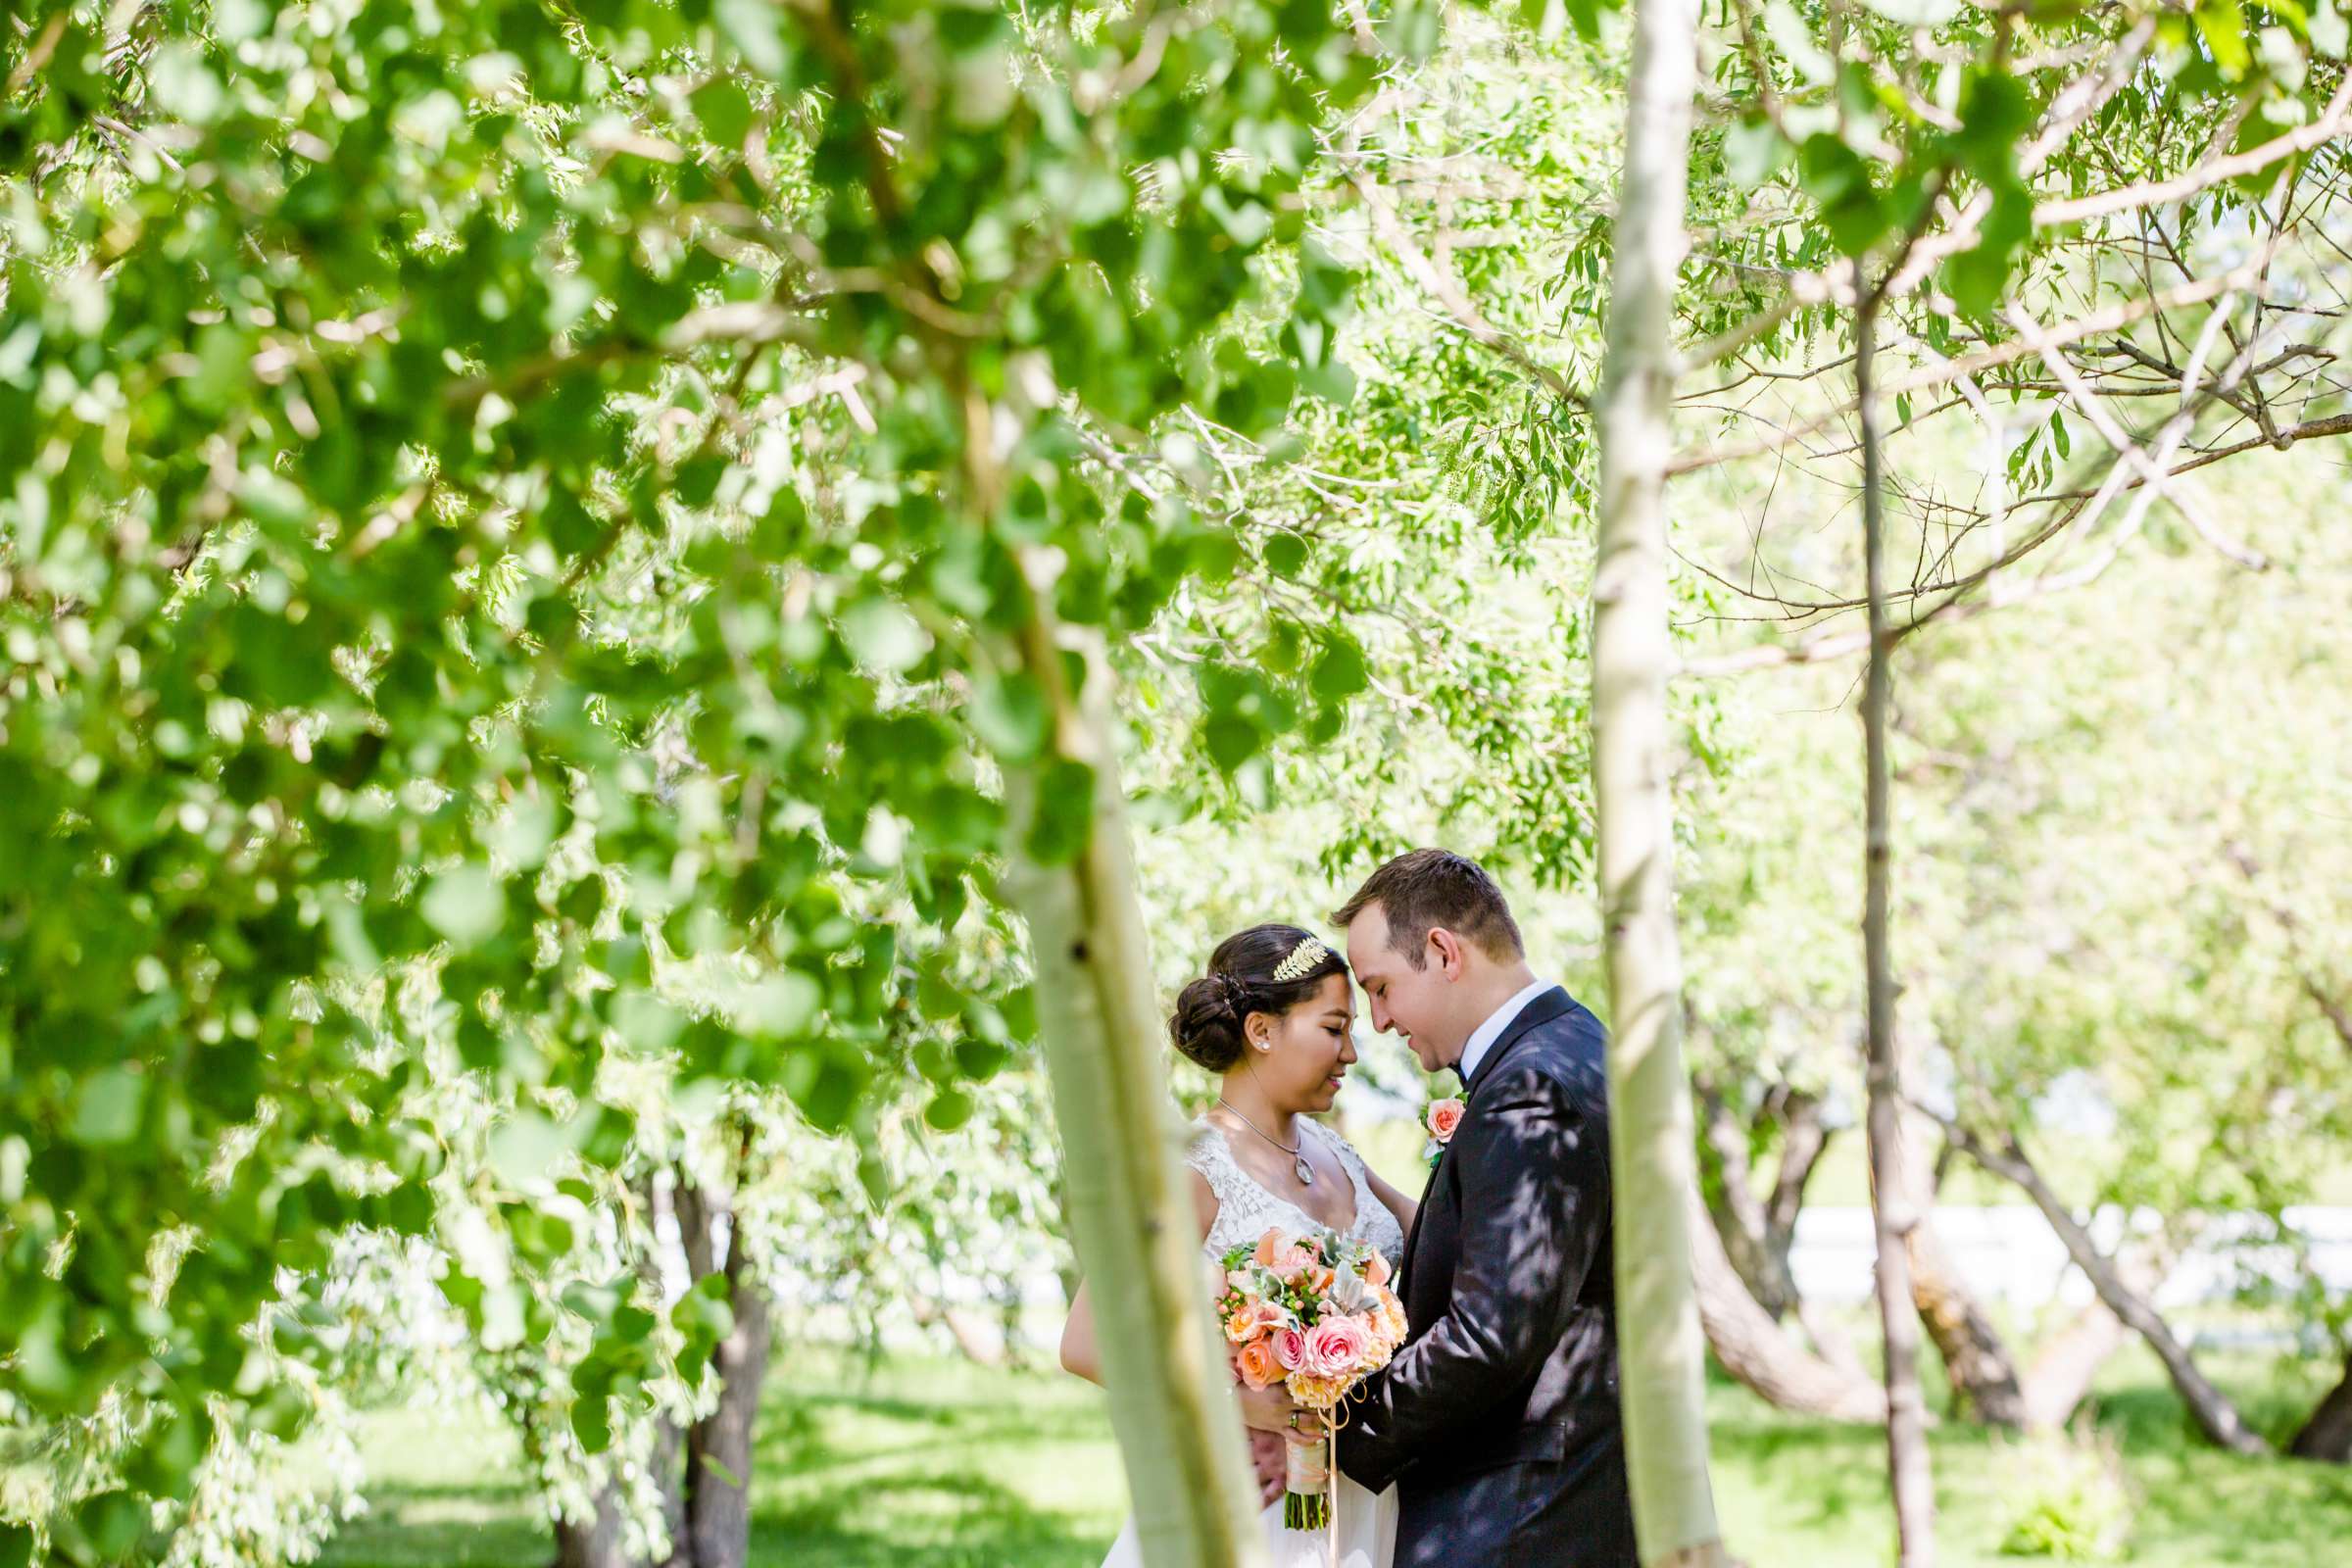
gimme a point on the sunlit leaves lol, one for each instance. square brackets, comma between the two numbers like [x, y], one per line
[493, 525]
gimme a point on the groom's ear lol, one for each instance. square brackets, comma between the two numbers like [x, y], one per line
[1446, 948]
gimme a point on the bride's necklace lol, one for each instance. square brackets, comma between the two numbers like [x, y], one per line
[1306, 1172]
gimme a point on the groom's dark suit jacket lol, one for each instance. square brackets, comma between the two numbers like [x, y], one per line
[1498, 1418]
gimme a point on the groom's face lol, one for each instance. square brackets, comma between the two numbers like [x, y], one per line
[1417, 1003]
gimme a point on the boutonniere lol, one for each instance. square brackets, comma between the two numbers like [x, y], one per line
[1442, 1119]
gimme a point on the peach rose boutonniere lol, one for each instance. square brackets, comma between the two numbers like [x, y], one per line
[1442, 1119]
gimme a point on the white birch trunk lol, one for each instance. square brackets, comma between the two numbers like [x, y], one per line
[1662, 1352]
[1137, 1238]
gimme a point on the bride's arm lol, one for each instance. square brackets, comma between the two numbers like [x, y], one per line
[1079, 1352]
[1394, 1201]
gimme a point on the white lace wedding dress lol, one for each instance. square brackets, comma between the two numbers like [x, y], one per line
[1366, 1523]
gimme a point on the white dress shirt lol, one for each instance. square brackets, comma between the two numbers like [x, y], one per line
[1483, 1038]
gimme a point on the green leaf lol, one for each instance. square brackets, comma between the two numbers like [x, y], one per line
[112, 1521]
[1340, 672]
[1753, 151]
[724, 110]
[466, 904]
[1230, 741]
[756, 28]
[592, 1423]
[108, 1109]
[883, 636]
[1009, 712]
[523, 1150]
[2223, 27]
[948, 1109]
[1284, 553]
[781, 1004]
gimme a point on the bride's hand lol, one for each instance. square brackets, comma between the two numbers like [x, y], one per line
[1272, 1409]
[1268, 1409]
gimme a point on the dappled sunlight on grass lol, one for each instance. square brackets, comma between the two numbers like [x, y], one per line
[922, 1462]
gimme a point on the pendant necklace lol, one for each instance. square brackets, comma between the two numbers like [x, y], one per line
[1306, 1172]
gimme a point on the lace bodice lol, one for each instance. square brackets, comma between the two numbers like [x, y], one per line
[1245, 1208]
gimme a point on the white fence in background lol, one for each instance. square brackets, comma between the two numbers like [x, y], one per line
[2009, 1255]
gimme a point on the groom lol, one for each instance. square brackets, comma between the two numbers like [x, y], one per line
[1497, 1419]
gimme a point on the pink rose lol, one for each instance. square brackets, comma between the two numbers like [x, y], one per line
[1289, 1349]
[1291, 1263]
[1336, 1346]
[1444, 1117]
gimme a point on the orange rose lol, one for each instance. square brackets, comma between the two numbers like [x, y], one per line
[1257, 1365]
[1376, 1269]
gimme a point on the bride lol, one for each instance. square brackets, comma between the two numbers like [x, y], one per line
[1274, 1018]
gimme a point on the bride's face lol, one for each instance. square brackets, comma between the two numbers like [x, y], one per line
[1304, 1053]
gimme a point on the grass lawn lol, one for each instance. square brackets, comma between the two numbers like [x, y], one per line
[923, 1463]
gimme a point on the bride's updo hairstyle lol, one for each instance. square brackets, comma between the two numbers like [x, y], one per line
[1209, 1011]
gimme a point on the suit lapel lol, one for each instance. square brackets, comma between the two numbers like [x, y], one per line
[1542, 1009]
[1551, 1004]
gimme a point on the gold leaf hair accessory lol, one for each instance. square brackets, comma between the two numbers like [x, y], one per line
[1301, 962]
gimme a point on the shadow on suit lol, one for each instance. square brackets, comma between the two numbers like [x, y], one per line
[1498, 1418]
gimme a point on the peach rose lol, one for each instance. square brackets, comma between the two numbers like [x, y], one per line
[1291, 1263]
[1376, 1269]
[1445, 1116]
[1269, 1247]
[1257, 1365]
[1335, 1347]
[1290, 1348]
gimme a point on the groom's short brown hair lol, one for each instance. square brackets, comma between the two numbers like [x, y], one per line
[1422, 889]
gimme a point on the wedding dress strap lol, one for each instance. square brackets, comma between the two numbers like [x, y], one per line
[1212, 1156]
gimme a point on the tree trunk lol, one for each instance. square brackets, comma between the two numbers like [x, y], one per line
[2327, 1434]
[1739, 1215]
[668, 1465]
[666, 1459]
[1906, 1409]
[1759, 1352]
[1661, 1347]
[2061, 1375]
[1976, 1362]
[719, 1447]
[2211, 1410]
[1135, 1235]
[1803, 1140]
[594, 1542]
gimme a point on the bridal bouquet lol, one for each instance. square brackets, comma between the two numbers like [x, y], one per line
[1314, 1312]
